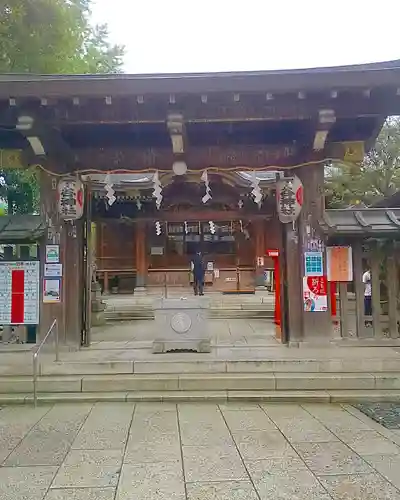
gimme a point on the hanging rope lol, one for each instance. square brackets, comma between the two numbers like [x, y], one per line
[209, 169]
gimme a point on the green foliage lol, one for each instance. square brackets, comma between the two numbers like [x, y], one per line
[377, 177]
[54, 36]
[21, 190]
[49, 37]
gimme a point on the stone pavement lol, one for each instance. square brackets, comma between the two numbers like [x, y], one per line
[148, 451]
[222, 332]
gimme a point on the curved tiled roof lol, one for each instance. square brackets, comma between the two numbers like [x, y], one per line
[366, 75]
[366, 222]
[21, 228]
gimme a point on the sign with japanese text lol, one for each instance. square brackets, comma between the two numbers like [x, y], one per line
[52, 254]
[315, 293]
[70, 198]
[19, 293]
[51, 291]
[339, 263]
[289, 198]
[53, 270]
[273, 253]
[313, 264]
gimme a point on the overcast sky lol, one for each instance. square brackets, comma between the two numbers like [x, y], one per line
[168, 36]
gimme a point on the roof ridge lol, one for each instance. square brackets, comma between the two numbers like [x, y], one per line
[392, 64]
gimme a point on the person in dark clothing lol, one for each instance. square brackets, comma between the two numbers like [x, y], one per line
[198, 269]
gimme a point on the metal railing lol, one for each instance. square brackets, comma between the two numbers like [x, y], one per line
[36, 352]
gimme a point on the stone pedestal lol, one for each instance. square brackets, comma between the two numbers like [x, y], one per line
[181, 324]
[7, 334]
[98, 306]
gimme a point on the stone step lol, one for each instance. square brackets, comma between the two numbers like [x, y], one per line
[339, 396]
[161, 364]
[240, 312]
[204, 382]
[129, 315]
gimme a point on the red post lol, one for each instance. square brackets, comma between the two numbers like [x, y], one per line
[277, 292]
[277, 309]
[333, 298]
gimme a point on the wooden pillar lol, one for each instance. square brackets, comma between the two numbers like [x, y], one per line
[291, 284]
[316, 325]
[376, 291]
[106, 285]
[53, 236]
[359, 287]
[141, 254]
[259, 247]
[68, 312]
[344, 310]
[392, 288]
[73, 281]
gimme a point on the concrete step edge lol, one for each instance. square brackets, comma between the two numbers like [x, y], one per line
[210, 376]
[201, 382]
[162, 365]
[214, 396]
[202, 376]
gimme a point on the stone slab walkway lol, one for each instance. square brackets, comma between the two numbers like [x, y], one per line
[236, 332]
[122, 451]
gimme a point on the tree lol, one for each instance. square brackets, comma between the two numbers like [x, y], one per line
[49, 37]
[54, 36]
[377, 177]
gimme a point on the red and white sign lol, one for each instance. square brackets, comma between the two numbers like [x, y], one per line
[273, 253]
[70, 198]
[19, 293]
[315, 293]
[289, 198]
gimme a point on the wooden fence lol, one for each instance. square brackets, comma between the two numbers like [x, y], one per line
[382, 260]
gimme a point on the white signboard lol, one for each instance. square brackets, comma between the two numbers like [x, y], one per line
[52, 254]
[53, 270]
[51, 291]
[157, 251]
[19, 293]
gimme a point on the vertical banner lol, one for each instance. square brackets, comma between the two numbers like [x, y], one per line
[19, 292]
[17, 296]
[315, 293]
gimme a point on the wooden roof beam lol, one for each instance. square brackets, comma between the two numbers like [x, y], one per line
[197, 158]
[45, 141]
[218, 107]
[176, 129]
[326, 119]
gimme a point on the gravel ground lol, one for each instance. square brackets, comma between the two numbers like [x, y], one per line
[386, 414]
